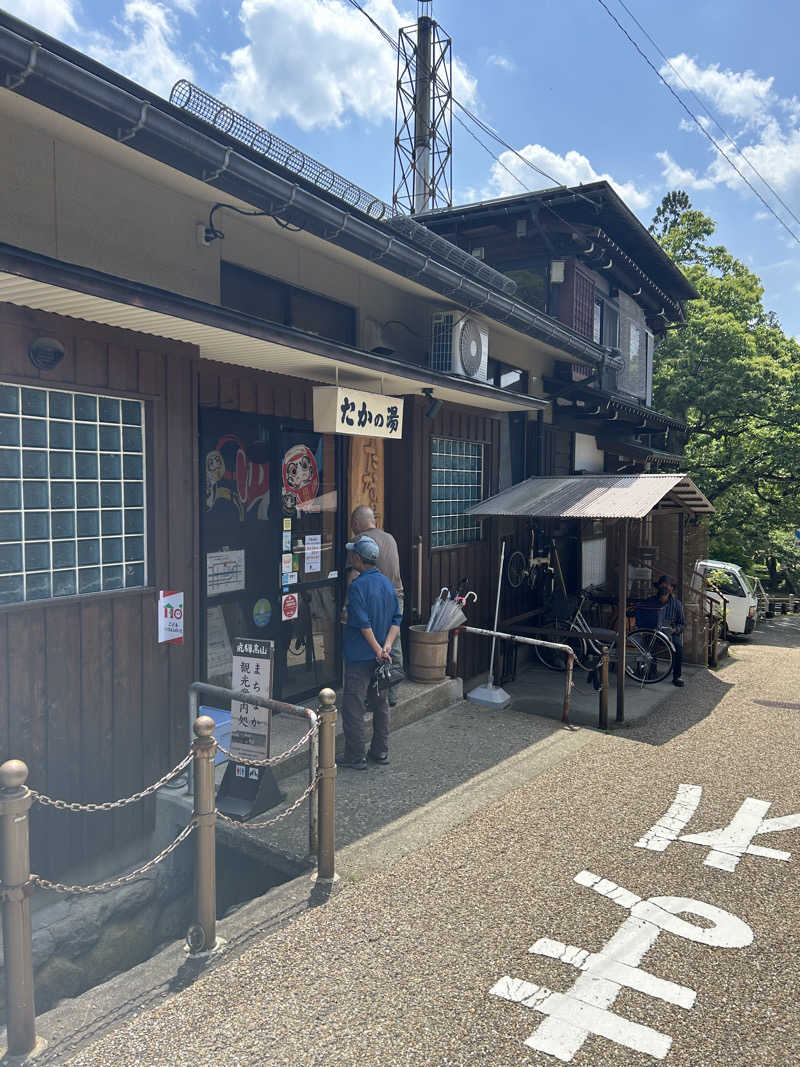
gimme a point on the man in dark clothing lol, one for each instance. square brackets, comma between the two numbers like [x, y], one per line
[674, 622]
[373, 622]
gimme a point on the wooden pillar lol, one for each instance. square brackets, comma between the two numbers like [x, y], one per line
[366, 483]
[622, 617]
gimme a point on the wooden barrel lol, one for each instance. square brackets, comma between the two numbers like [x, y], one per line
[427, 654]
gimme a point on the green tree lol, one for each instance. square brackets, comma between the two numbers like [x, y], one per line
[734, 376]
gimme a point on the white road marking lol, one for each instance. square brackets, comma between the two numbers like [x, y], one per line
[621, 973]
[728, 843]
[583, 1010]
[669, 826]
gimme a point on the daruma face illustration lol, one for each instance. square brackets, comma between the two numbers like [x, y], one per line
[300, 476]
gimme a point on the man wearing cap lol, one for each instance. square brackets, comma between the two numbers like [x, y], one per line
[373, 622]
[674, 622]
[362, 522]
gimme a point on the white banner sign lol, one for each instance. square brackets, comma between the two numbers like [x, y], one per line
[252, 673]
[339, 410]
[170, 617]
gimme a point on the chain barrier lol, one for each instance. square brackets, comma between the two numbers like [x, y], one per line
[114, 883]
[111, 805]
[271, 761]
[249, 827]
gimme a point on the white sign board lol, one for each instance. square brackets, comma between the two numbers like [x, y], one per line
[313, 553]
[252, 673]
[350, 411]
[218, 645]
[224, 572]
[170, 617]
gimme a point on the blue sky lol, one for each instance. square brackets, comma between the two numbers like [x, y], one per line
[556, 77]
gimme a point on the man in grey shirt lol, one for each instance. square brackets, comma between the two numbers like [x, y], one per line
[362, 522]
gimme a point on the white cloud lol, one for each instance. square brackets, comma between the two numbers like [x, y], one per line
[678, 177]
[319, 62]
[765, 126]
[148, 54]
[55, 17]
[503, 62]
[189, 7]
[569, 169]
[740, 95]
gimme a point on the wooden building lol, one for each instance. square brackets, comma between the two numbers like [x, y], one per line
[208, 355]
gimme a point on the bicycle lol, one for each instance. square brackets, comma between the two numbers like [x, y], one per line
[536, 570]
[648, 652]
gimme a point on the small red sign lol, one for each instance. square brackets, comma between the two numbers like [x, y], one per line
[288, 607]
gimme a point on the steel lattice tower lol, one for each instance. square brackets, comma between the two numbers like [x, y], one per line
[423, 128]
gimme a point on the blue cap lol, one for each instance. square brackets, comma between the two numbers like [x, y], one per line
[365, 547]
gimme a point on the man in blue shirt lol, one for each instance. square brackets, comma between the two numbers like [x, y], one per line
[373, 622]
[674, 622]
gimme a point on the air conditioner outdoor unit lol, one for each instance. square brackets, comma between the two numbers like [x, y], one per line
[459, 345]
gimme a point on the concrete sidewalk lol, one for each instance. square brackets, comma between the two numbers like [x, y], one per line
[443, 769]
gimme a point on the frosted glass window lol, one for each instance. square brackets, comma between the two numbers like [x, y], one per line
[456, 483]
[71, 487]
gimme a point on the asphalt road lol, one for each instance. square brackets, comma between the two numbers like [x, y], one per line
[397, 969]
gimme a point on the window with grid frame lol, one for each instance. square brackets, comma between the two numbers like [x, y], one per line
[457, 471]
[72, 493]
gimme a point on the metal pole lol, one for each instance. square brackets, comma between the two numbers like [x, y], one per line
[604, 689]
[567, 687]
[326, 854]
[15, 870]
[205, 868]
[714, 646]
[490, 681]
[622, 620]
[313, 809]
[194, 703]
[422, 114]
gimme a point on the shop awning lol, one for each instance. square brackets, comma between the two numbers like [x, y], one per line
[597, 496]
[228, 336]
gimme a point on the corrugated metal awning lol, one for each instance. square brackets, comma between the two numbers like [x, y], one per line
[597, 496]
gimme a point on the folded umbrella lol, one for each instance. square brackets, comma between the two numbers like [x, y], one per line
[436, 609]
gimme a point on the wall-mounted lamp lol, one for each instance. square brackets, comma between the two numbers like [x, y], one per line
[434, 404]
[557, 271]
[478, 251]
[45, 353]
[522, 228]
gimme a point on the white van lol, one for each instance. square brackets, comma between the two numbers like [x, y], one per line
[733, 583]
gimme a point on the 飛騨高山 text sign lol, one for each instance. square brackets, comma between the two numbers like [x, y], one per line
[339, 410]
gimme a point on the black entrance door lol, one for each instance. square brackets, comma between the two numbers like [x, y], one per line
[269, 547]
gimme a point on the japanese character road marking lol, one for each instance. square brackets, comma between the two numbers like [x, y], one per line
[583, 1010]
[727, 844]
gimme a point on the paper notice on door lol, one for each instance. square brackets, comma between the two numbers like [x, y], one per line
[313, 553]
[224, 572]
[219, 656]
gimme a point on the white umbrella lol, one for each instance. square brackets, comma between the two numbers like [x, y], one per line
[436, 609]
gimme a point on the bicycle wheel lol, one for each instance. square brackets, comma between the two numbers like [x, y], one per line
[648, 656]
[557, 661]
[516, 569]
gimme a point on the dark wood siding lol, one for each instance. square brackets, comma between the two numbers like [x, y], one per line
[90, 701]
[408, 514]
[223, 385]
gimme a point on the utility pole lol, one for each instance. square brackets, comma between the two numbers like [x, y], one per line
[423, 142]
[422, 115]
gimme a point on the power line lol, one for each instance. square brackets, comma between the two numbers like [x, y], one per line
[487, 149]
[708, 111]
[698, 123]
[483, 126]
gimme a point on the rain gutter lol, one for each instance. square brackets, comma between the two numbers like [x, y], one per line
[243, 178]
